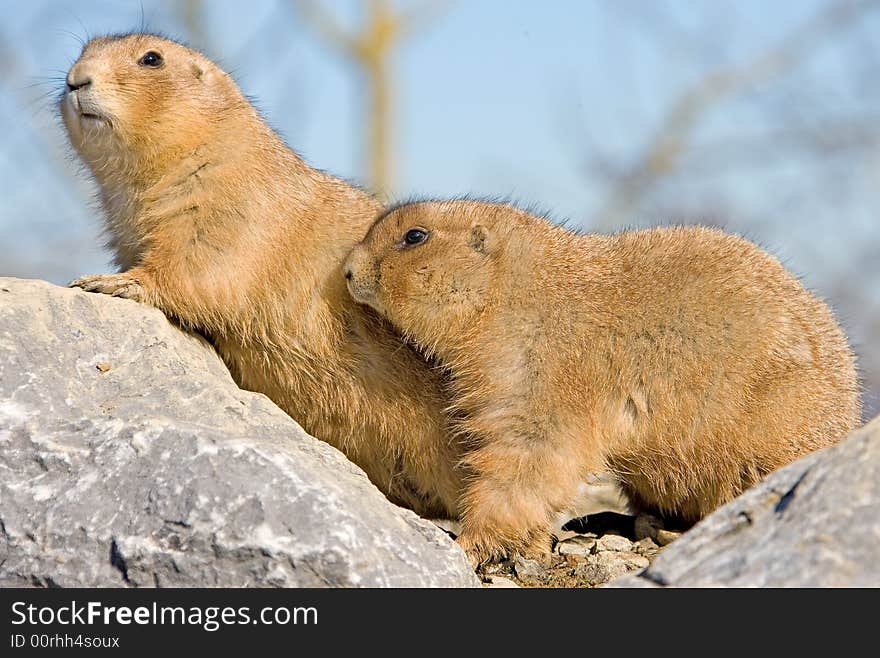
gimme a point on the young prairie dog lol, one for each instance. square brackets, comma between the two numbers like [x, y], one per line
[216, 222]
[686, 360]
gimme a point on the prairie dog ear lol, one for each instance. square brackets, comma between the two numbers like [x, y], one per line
[202, 70]
[479, 239]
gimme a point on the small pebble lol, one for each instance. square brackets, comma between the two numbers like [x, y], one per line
[633, 561]
[646, 546]
[665, 537]
[526, 568]
[103, 366]
[578, 545]
[499, 582]
[574, 548]
[608, 565]
[612, 543]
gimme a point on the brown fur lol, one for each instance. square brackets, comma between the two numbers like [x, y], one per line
[216, 222]
[686, 360]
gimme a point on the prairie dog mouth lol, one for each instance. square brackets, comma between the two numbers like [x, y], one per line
[362, 296]
[86, 116]
[85, 108]
[357, 293]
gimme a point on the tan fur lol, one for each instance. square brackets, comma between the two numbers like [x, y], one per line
[216, 222]
[686, 360]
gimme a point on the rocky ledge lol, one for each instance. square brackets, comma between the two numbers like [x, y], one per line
[129, 457]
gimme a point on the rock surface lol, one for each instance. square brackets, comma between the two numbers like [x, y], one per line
[813, 523]
[128, 457]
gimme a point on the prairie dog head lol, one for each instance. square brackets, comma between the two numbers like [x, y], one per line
[428, 268]
[139, 99]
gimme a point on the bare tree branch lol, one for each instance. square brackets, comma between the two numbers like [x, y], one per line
[664, 153]
[324, 24]
[370, 50]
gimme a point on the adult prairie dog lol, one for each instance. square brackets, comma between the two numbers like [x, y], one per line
[216, 222]
[686, 360]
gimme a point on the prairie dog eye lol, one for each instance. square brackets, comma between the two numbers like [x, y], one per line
[415, 236]
[151, 59]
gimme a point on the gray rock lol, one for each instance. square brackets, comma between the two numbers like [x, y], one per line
[813, 523]
[128, 457]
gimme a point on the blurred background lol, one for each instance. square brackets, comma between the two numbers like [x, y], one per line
[763, 118]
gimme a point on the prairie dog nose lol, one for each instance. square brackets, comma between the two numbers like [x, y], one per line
[357, 262]
[361, 273]
[73, 86]
[78, 77]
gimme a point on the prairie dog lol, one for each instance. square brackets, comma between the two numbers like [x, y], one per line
[216, 222]
[686, 360]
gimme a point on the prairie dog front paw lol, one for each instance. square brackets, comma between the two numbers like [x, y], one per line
[123, 284]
